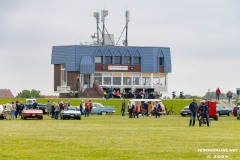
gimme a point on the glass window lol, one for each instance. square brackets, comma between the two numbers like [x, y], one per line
[163, 81]
[160, 61]
[107, 74]
[107, 80]
[98, 59]
[63, 75]
[136, 80]
[97, 74]
[127, 60]
[99, 79]
[117, 60]
[116, 80]
[127, 81]
[156, 81]
[136, 60]
[108, 60]
[146, 81]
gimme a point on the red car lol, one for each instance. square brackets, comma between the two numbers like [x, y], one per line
[29, 112]
[235, 110]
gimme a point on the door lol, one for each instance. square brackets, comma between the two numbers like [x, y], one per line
[86, 80]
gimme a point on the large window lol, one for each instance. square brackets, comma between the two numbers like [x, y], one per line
[136, 60]
[98, 60]
[127, 79]
[117, 60]
[108, 60]
[107, 78]
[136, 78]
[127, 60]
[116, 78]
[63, 75]
[98, 78]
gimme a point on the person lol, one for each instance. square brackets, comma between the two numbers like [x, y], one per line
[218, 92]
[48, 106]
[35, 104]
[53, 110]
[123, 107]
[21, 108]
[17, 109]
[87, 108]
[136, 109]
[144, 108]
[14, 107]
[193, 109]
[229, 96]
[8, 110]
[81, 107]
[130, 109]
[91, 106]
[157, 109]
[203, 110]
[57, 110]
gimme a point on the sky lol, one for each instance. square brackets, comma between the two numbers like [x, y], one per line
[203, 36]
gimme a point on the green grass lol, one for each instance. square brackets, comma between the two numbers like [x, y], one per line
[116, 137]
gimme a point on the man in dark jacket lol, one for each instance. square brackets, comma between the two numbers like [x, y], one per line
[203, 109]
[193, 107]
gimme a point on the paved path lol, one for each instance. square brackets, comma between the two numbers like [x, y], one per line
[225, 103]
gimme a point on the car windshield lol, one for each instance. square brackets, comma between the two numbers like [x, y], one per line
[186, 108]
[97, 105]
[72, 109]
[28, 107]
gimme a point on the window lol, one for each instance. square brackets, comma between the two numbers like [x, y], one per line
[98, 77]
[63, 75]
[98, 59]
[160, 61]
[116, 80]
[107, 78]
[136, 80]
[163, 81]
[127, 80]
[136, 60]
[127, 60]
[117, 60]
[156, 81]
[146, 81]
[108, 60]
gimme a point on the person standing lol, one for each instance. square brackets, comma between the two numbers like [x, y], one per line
[91, 106]
[130, 109]
[57, 110]
[49, 107]
[81, 107]
[136, 109]
[87, 108]
[14, 107]
[123, 107]
[53, 110]
[17, 109]
[218, 92]
[203, 109]
[193, 107]
[157, 109]
[35, 104]
[8, 110]
[229, 96]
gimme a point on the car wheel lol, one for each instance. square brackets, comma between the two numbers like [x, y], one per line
[216, 118]
[41, 118]
[228, 114]
[237, 117]
[63, 118]
[79, 118]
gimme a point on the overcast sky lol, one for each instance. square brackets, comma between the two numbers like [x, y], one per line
[203, 36]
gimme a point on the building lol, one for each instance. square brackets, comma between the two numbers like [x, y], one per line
[6, 93]
[124, 68]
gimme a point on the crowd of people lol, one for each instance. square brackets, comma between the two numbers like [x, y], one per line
[13, 109]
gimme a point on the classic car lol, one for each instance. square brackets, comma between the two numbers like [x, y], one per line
[235, 110]
[43, 107]
[98, 108]
[71, 112]
[185, 111]
[221, 110]
[1, 112]
[30, 112]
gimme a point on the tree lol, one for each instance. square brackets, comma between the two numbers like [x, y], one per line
[30, 94]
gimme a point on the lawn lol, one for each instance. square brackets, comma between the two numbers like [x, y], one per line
[111, 137]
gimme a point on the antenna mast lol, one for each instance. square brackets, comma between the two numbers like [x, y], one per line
[127, 20]
[104, 14]
[96, 15]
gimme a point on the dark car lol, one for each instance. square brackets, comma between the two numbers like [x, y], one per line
[221, 110]
[185, 111]
[235, 110]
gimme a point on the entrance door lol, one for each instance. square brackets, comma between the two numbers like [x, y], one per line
[86, 80]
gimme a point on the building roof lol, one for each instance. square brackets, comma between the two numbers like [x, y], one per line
[6, 93]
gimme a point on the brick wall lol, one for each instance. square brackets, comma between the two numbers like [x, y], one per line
[57, 76]
[72, 80]
[161, 69]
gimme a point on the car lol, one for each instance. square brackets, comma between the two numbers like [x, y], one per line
[70, 112]
[185, 111]
[221, 110]
[2, 112]
[30, 112]
[235, 110]
[98, 108]
[43, 107]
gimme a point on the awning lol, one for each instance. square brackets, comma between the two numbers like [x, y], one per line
[86, 65]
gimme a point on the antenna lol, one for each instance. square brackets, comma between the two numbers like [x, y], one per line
[96, 15]
[104, 14]
[127, 20]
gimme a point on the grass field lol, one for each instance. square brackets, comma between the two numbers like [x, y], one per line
[111, 137]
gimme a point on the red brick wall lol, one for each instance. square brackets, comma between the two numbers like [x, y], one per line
[99, 68]
[57, 76]
[72, 80]
[161, 69]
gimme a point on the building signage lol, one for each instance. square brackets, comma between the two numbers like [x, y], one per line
[119, 68]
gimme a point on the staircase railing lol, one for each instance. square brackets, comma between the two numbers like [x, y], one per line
[98, 88]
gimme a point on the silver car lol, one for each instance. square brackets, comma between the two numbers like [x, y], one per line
[71, 112]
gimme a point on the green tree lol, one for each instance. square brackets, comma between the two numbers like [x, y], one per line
[30, 94]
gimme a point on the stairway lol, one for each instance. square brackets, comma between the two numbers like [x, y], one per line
[91, 93]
